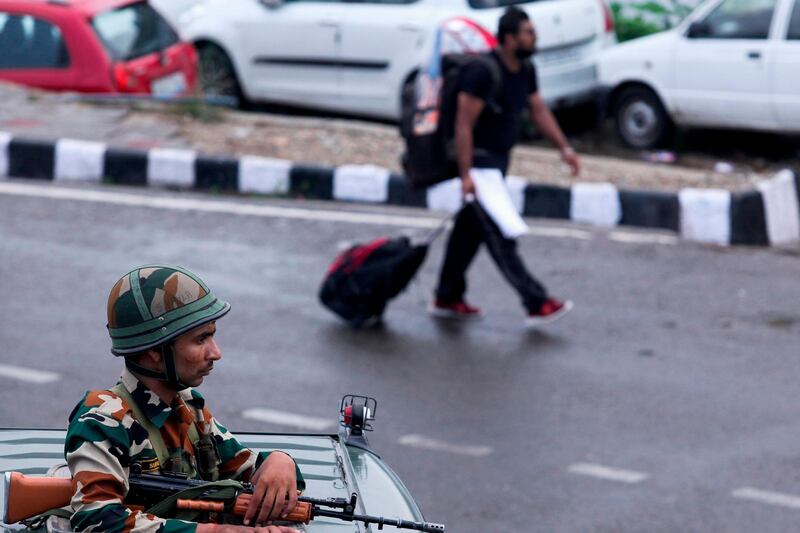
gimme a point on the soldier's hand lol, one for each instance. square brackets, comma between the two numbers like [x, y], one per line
[274, 490]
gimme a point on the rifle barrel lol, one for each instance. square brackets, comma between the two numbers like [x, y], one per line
[428, 527]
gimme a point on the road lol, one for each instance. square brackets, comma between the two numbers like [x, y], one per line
[667, 401]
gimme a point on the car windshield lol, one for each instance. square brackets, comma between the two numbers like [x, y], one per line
[489, 4]
[133, 31]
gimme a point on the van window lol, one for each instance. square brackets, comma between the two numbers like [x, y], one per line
[29, 42]
[794, 23]
[133, 31]
[740, 19]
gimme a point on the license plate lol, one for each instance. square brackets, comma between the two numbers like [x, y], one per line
[171, 85]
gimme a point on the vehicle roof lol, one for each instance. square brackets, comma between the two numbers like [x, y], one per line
[86, 7]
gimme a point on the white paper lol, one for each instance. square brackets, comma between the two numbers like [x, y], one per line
[780, 205]
[171, 167]
[596, 204]
[445, 196]
[705, 215]
[264, 175]
[493, 195]
[79, 160]
[516, 188]
[5, 139]
[361, 183]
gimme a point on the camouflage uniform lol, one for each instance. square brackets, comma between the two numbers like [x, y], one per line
[104, 439]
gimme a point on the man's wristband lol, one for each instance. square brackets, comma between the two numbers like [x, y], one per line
[567, 151]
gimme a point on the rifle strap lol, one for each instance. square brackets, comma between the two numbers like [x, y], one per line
[153, 433]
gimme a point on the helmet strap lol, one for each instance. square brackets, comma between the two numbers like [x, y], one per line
[169, 375]
[170, 369]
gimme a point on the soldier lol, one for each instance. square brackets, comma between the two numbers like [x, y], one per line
[162, 320]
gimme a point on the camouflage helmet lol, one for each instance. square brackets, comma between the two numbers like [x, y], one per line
[154, 304]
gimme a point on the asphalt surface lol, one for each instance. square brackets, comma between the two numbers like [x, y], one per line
[678, 365]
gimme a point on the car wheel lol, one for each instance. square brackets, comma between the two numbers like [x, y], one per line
[217, 76]
[642, 122]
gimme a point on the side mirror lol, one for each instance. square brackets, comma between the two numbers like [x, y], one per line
[699, 30]
[271, 4]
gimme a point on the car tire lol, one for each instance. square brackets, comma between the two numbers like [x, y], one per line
[217, 75]
[641, 120]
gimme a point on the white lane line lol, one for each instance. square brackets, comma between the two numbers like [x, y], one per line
[604, 472]
[212, 206]
[642, 238]
[283, 418]
[28, 374]
[425, 443]
[545, 231]
[768, 497]
[270, 211]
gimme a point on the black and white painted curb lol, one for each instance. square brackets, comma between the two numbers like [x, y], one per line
[767, 215]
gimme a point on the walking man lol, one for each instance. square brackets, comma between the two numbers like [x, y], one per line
[486, 129]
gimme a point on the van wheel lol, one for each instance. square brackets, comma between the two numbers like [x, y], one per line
[641, 120]
[217, 77]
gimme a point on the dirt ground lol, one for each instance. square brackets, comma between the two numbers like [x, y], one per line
[339, 141]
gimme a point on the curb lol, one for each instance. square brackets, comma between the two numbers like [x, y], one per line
[767, 215]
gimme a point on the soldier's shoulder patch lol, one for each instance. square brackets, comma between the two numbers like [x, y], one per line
[107, 403]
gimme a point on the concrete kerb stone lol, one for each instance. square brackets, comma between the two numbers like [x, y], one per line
[767, 215]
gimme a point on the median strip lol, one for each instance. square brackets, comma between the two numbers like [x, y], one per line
[282, 418]
[607, 473]
[28, 374]
[426, 443]
[768, 497]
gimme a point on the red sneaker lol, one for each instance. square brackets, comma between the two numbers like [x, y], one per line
[550, 311]
[458, 311]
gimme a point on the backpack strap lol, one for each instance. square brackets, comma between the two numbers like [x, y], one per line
[490, 61]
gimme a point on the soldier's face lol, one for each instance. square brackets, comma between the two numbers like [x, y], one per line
[195, 353]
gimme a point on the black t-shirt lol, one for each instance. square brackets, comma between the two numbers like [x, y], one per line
[496, 132]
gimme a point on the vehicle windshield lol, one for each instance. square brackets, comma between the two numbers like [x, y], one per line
[133, 31]
[489, 4]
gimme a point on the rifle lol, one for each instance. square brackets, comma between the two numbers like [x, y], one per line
[27, 497]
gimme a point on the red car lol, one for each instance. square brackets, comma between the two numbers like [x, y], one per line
[94, 46]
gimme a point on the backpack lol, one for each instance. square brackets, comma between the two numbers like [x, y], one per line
[428, 114]
[362, 279]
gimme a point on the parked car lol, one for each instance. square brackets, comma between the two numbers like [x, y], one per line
[94, 46]
[355, 57]
[731, 64]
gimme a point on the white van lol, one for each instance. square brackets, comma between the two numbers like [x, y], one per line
[731, 64]
[355, 56]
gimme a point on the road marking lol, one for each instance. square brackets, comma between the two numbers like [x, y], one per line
[271, 211]
[282, 418]
[568, 233]
[604, 472]
[768, 497]
[425, 443]
[28, 374]
[642, 238]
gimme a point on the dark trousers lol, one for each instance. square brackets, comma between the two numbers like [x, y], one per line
[472, 227]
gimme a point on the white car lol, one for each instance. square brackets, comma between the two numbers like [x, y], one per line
[731, 64]
[355, 56]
